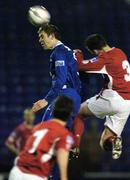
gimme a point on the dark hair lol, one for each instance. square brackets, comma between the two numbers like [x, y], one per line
[50, 29]
[62, 108]
[95, 41]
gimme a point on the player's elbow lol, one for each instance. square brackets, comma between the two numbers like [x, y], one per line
[8, 145]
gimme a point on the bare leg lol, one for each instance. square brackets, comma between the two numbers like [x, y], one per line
[111, 142]
[107, 134]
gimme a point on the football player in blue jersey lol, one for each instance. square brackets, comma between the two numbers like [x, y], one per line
[63, 71]
[65, 78]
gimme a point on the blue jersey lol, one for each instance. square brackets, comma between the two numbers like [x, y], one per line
[63, 71]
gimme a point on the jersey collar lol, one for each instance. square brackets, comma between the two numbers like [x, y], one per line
[57, 44]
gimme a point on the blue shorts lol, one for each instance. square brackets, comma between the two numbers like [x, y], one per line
[71, 93]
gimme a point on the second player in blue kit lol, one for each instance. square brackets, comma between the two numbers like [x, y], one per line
[63, 71]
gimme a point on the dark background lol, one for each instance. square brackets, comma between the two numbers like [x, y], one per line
[24, 73]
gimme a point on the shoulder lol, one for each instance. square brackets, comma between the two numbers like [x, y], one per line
[62, 49]
[18, 130]
[65, 133]
[119, 52]
[114, 53]
[20, 127]
[57, 129]
[66, 140]
[39, 126]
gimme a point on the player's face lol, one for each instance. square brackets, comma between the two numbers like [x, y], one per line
[45, 40]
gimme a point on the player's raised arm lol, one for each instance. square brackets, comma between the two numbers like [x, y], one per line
[94, 64]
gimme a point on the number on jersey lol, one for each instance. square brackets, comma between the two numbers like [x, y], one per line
[38, 137]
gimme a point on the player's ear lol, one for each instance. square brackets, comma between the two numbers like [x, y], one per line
[51, 36]
[95, 51]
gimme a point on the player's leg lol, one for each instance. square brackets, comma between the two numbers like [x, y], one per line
[100, 107]
[111, 136]
[78, 128]
[95, 106]
[71, 93]
[111, 142]
[84, 110]
[47, 116]
[114, 125]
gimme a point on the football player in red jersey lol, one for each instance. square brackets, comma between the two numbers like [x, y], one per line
[17, 139]
[50, 141]
[113, 102]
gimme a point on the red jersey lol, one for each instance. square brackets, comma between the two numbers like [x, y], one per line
[38, 155]
[19, 136]
[115, 65]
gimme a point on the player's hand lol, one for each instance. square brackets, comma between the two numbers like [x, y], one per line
[77, 50]
[79, 55]
[39, 105]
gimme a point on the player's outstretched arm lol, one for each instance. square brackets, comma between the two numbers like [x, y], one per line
[92, 65]
[62, 160]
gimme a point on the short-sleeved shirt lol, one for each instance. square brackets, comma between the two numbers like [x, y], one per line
[19, 136]
[114, 64]
[38, 155]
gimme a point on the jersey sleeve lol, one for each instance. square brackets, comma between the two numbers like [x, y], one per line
[65, 143]
[13, 136]
[60, 75]
[94, 64]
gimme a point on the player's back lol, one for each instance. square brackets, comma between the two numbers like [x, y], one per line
[39, 152]
[64, 52]
[118, 70]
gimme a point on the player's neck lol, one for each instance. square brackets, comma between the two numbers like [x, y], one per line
[106, 48]
[56, 43]
[28, 125]
[59, 121]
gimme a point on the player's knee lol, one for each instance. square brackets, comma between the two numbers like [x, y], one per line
[84, 110]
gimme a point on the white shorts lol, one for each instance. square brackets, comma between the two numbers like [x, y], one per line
[17, 174]
[113, 107]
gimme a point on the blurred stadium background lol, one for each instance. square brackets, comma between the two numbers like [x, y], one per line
[24, 76]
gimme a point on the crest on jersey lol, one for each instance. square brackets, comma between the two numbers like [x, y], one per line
[60, 63]
[95, 59]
